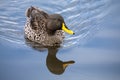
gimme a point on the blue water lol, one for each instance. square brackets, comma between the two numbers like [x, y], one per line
[95, 47]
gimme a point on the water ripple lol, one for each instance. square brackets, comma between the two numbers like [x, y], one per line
[82, 16]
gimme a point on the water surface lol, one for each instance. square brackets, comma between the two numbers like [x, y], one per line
[95, 48]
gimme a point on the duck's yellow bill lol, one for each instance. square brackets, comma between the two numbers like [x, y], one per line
[67, 30]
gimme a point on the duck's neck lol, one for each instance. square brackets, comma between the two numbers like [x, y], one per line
[50, 32]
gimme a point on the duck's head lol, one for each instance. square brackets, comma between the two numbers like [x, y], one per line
[56, 22]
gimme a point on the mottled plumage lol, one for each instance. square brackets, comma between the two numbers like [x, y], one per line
[38, 27]
[45, 29]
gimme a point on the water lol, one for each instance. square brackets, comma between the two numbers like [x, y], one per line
[79, 16]
[94, 48]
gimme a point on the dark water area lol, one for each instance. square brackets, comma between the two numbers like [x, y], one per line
[93, 53]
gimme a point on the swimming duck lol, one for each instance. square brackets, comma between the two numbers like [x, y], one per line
[45, 29]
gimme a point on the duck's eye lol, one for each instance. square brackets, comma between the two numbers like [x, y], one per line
[59, 19]
[57, 24]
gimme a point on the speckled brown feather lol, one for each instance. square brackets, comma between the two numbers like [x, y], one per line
[35, 28]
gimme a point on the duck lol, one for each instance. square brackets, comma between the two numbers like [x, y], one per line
[45, 29]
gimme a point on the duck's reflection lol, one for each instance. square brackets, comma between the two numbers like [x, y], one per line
[54, 65]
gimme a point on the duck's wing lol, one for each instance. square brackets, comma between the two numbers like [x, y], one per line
[37, 17]
[32, 11]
